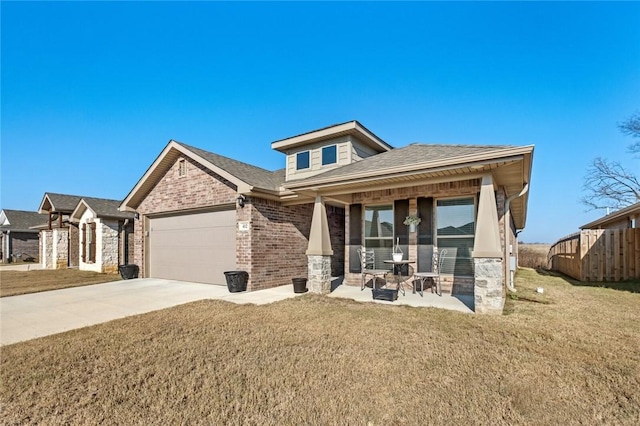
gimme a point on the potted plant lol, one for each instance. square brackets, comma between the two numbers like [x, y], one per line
[412, 222]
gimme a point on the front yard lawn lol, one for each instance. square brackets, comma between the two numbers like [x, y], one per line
[22, 282]
[570, 355]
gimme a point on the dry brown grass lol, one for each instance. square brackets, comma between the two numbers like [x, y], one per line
[22, 282]
[570, 355]
[533, 255]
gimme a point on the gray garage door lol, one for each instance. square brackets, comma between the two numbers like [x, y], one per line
[195, 247]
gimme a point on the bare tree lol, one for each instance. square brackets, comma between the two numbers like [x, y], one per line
[608, 184]
[631, 127]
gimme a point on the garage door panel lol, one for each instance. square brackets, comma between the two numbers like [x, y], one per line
[196, 247]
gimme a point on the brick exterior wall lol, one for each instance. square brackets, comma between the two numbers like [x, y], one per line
[200, 188]
[272, 251]
[24, 243]
[74, 246]
[450, 284]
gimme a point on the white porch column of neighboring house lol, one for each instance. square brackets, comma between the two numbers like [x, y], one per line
[488, 289]
[319, 250]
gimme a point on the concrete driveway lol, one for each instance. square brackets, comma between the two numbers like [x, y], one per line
[40, 314]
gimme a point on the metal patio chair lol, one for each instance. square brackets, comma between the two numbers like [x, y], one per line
[438, 260]
[368, 267]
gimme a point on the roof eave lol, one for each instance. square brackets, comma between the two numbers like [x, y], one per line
[134, 198]
[634, 208]
[350, 127]
[474, 160]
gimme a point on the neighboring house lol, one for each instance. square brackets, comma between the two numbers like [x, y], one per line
[202, 214]
[628, 217]
[604, 250]
[18, 241]
[84, 232]
[105, 234]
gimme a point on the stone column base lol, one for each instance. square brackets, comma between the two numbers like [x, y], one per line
[488, 289]
[319, 270]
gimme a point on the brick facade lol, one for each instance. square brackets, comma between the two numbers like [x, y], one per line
[272, 251]
[200, 188]
[23, 244]
[275, 249]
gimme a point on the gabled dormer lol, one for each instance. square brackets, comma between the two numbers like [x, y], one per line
[321, 150]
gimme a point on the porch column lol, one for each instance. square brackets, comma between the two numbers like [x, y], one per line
[319, 250]
[488, 288]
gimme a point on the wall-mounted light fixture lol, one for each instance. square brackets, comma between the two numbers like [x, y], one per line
[136, 216]
[241, 201]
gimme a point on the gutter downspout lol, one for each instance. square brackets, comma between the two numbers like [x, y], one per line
[507, 207]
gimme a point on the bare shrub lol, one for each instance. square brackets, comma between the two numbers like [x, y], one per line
[533, 256]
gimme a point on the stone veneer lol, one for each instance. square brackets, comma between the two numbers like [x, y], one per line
[54, 248]
[319, 268]
[489, 291]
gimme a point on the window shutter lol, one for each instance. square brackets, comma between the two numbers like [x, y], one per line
[92, 247]
[84, 242]
[400, 213]
[355, 237]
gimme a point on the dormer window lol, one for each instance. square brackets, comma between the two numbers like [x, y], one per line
[302, 160]
[329, 155]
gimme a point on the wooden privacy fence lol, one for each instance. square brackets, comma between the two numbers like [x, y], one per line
[598, 255]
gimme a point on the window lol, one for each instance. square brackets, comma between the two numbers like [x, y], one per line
[456, 231]
[182, 167]
[329, 155]
[89, 242]
[302, 160]
[378, 232]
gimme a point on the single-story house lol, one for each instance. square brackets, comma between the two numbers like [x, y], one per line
[628, 217]
[18, 241]
[84, 232]
[342, 188]
[105, 234]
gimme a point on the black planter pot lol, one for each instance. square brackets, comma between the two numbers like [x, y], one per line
[128, 272]
[237, 280]
[299, 285]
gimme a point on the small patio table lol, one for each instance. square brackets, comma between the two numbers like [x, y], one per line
[401, 272]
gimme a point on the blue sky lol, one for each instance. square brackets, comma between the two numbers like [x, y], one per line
[91, 92]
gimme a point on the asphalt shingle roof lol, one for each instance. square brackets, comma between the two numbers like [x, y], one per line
[253, 175]
[406, 156]
[20, 220]
[63, 202]
[107, 208]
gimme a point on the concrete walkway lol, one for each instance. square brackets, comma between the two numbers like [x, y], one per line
[35, 315]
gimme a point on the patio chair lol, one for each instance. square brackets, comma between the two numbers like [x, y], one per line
[438, 260]
[368, 267]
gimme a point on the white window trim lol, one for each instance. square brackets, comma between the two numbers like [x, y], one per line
[302, 152]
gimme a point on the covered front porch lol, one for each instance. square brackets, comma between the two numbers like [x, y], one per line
[463, 217]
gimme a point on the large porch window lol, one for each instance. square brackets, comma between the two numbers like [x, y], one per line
[455, 233]
[378, 232]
